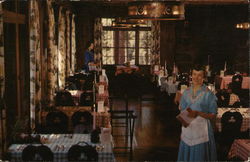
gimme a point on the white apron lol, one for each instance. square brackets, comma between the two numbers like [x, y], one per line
[196, 133]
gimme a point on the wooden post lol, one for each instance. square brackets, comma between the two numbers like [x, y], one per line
[18, 66]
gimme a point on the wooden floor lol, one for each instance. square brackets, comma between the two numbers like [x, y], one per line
[157, 132]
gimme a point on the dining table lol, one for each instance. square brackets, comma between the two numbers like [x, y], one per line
[240, 149]
[60, 144]
[126, 69]
[228, 79]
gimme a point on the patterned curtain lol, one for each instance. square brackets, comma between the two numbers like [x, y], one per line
[67, 43]
[155, 44]
[73, 44]
[98, 40]
[52, 54]
[35, 76]
[61, 49]
[2, 74]
[2, 89]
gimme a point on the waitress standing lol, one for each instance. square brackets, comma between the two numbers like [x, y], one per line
[197, 140]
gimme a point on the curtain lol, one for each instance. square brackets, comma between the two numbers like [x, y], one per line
[2, 74]
[52, 55]
[35, 61]
[61, 49]
[68, 43]
[73, 44]
[155, 43]
[98, 40]
[2, 88]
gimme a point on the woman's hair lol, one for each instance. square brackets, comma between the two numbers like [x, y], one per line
[199, 67]
[88, 44]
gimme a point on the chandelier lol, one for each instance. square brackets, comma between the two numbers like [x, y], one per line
[159, 10]
[244, 26]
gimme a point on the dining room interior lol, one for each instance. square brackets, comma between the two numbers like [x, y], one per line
[103, 80]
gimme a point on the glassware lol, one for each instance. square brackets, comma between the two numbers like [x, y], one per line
[99, 147]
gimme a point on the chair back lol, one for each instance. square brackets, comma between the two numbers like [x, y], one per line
[86, 99]
[82, 152]
[45, 153]
[237, 78]
[231, 125]
[56, 122]
[64, 98]
[29, 153]
[236, 84]
[37, 153]
[82, 122]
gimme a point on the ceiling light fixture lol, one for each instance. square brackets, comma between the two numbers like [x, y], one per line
[245, 25]
[127, 23]
[159, 10]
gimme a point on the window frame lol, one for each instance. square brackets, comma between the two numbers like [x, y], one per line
[116, 47]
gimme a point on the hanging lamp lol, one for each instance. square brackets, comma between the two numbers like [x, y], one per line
[156, 10]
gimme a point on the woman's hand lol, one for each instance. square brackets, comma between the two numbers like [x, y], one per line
[206, 115]
[192, 113]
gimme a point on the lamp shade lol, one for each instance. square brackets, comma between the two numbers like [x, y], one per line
[159, 10]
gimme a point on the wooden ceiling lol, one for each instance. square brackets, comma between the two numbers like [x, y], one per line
[186, 1]
[119, 7]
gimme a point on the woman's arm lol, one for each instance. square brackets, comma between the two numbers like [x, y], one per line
[206, 115]
[195, 113]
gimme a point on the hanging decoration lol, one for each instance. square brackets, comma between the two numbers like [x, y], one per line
[156, 10]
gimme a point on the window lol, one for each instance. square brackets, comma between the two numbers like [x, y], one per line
[108, 47]
[125, 45]
[144, 47]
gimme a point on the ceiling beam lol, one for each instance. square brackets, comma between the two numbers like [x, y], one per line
[187, 1]
[13, 17]
[216, 1]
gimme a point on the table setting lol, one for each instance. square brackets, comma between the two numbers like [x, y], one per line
[60, 144]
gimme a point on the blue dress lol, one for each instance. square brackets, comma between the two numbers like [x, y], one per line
[88, 57]
[204, 102]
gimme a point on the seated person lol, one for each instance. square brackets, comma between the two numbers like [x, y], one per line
[236, 84]
[234, 100]
[172, 85]
[223, 98]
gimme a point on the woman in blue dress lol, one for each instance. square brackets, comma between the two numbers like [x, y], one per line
[197, 140]
[88, 56]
